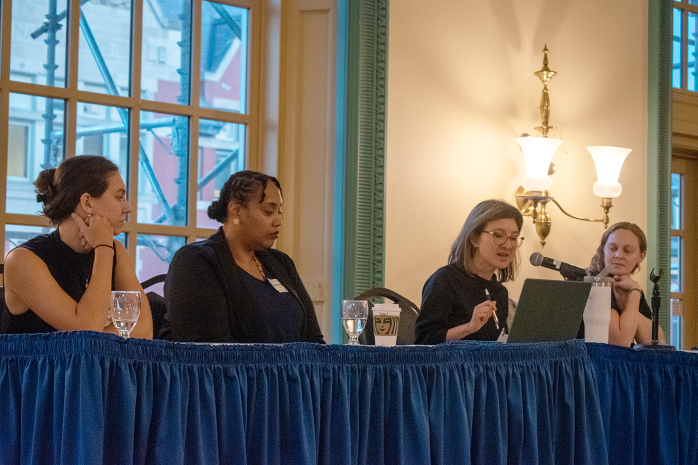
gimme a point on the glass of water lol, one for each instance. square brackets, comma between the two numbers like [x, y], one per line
[354, 317]
[125, 308]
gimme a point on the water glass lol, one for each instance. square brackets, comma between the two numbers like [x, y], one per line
[125, 308]
[354, 317]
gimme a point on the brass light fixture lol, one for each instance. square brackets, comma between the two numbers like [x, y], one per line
[533, 195]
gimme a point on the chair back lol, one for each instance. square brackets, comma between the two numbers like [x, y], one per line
[156, 302]
[408, 316]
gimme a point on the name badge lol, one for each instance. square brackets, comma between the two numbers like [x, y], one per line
[277, 285]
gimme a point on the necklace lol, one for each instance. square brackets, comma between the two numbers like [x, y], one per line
[259, 266]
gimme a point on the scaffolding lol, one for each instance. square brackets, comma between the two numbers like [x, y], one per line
[175, 214]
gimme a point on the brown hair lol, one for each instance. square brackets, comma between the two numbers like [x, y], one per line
[598, 262]
[60, 189]
[463, 250]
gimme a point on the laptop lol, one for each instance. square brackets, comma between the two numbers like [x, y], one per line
[549, 310]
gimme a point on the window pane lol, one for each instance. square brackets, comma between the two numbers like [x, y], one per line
[692, 19]
[224, 44]
[221, 153]
[676, 73]
[16, 235]
[676, 258]
[37, 51]
[153, 256]
[676, 329]
[101, 131]
[675, 201]
[104, 61]
[43, 122]
[162, 173]
[165, 61]
[17, 147]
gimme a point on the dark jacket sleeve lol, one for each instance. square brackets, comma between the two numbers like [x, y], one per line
[311, 328]
[197, 309]
[433, 320]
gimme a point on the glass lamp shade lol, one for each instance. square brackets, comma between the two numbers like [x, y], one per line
[538, 153]
[608, 161]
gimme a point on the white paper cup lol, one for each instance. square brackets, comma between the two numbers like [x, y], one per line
[386, 318]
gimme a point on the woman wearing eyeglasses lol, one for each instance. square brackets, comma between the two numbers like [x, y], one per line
[466, 299]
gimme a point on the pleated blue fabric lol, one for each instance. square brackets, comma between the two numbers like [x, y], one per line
[649, 404]
[89, 398]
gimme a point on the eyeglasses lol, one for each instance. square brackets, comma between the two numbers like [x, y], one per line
[501, 239]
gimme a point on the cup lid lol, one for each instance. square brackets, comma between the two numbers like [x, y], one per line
[386, 308]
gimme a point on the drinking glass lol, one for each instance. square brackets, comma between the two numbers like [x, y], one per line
[125, 308]
[354, 316]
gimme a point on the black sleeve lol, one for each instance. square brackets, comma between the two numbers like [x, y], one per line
[433, 321]
[645, 308]
[311, 329]
[197, 308]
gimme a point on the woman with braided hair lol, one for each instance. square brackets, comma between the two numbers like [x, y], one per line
[234, 287]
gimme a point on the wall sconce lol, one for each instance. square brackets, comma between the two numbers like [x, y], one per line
[533, 195]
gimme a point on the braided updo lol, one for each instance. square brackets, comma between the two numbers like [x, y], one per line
[240, 188]
[60, 189]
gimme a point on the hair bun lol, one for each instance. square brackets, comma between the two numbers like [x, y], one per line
[214, 210]
[45, 186]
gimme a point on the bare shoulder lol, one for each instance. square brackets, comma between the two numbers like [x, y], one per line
[23, 269]
[20, 261]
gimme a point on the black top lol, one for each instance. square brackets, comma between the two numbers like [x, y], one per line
[209, 298]
[279, 315]
[645, 308]
[70, 269]
[448, 299]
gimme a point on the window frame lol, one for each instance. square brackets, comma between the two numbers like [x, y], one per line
[73, 97]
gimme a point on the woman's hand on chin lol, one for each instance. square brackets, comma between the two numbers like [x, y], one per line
[622, 287]
[625, 283]
[94, 230]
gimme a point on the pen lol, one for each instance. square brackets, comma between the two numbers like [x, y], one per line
[494, 314]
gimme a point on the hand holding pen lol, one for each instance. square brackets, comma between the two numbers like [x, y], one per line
[494, 313]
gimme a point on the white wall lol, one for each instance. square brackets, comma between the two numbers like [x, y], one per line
[461, 88]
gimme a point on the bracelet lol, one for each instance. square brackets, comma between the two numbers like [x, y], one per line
[103, 245]
[635, 289]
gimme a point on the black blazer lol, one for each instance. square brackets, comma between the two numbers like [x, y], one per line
[207, 302]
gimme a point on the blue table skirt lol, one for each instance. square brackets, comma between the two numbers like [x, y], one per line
[91, 398]
[649, 404]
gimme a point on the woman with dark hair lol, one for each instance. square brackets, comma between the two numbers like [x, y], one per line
[466, 299]
[624, 246]
[63, 280]
[233, 287]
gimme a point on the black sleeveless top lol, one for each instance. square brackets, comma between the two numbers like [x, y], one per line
[70, 269]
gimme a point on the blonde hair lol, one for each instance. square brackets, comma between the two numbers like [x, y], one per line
[463, 250]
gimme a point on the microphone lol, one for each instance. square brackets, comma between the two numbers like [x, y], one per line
[569, 272]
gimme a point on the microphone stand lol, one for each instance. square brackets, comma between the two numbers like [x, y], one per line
[656, 300]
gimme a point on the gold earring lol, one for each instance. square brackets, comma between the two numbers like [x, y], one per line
[236, 221]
